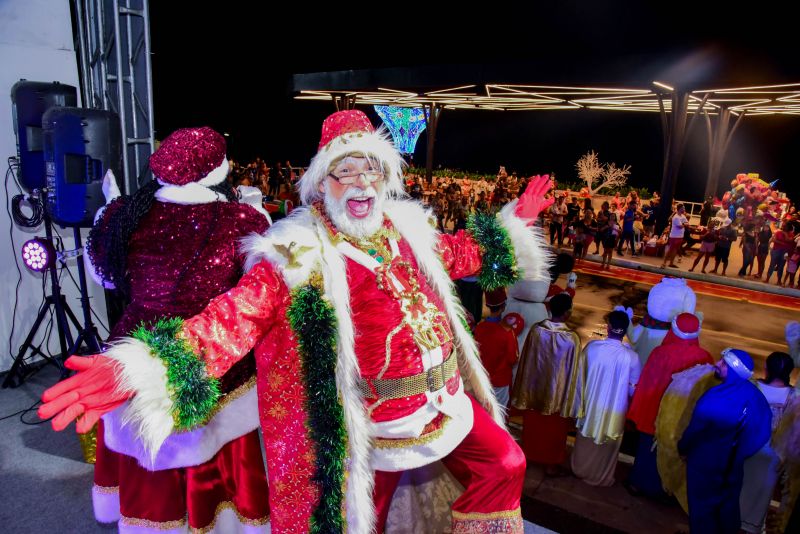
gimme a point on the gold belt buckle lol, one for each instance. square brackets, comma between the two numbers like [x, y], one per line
[435, 381]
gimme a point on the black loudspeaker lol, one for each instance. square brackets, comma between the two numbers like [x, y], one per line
[80, 145]
[29, 101]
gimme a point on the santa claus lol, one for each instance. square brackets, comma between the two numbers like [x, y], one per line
[363, 359]
[168, 250]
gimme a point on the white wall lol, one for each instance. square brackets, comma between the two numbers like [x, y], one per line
[35, 44]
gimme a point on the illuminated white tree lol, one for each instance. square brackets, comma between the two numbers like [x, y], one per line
[601, 176]
[589, 169]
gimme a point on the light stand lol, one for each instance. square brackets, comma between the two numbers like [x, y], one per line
[87, 334]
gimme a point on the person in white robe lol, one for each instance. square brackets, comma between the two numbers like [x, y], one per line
[613, 370]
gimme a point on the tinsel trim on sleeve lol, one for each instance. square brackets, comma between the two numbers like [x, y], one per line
[314, 322]
[193, 392]
[499, 266]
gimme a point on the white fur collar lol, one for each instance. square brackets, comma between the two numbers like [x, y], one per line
[195, 192]
[293, 245]
[188, 195]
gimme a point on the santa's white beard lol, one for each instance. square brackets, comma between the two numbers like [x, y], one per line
[349, 225]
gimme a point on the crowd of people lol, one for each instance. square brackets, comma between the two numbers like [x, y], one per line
[626, 224]
[727, 426]
[621, 224]
[271, 180]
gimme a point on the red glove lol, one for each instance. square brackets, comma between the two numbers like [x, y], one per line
[91, 393]
[532, 202]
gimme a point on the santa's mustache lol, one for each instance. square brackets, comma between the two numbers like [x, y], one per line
[360, 194]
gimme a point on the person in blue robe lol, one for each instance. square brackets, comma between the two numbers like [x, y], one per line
[730, 423]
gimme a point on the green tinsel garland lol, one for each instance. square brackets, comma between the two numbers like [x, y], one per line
[499, 265]
[194, 392]
[314, 322]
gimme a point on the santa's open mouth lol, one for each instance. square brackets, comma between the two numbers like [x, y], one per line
[360, 207]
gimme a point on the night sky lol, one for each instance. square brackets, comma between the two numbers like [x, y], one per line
[232, 69]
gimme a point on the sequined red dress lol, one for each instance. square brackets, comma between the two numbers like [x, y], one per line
[179, 258]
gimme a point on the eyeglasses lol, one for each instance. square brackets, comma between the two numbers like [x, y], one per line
[351, 178]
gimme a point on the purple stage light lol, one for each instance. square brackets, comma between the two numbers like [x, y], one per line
[38, 254]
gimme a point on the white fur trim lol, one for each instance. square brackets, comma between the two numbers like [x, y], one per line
[405, 458]
[375, 145]
[150, 409]
[195, 192]
[533, 257]
[105, 504]
[411, 220]
[681, 334]
[185, 449]
[216, 176]
[227, 522]
[359, 507]
[188, 195]
[110, 188]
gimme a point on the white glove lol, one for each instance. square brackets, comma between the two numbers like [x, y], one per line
[252, 196]
[572, 278]
[110, 187]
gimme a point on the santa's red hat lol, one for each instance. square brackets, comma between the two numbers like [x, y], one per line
[686, 326]
[351, 132]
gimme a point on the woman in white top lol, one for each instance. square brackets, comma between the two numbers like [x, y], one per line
[761, 471]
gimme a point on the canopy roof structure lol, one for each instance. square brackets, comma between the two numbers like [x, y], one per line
[722, 108]
[781, 99]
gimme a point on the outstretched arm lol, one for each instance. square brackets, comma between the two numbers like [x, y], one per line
[501, 249]
[170, 371]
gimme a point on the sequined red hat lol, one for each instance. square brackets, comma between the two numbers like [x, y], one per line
[191, 155]
[344, 122]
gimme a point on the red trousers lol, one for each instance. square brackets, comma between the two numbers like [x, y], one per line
[491, 467]
[234, 478]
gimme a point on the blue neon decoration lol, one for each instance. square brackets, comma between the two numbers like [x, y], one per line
[405, 125]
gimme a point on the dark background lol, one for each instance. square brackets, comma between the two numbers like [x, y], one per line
[231, 68]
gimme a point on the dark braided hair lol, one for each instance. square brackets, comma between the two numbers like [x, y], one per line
[226, 189]
[108, 243]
